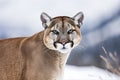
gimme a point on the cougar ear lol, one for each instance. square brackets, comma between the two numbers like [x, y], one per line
[78, 18]
[45, 18]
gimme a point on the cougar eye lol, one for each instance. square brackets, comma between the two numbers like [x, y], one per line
[70, 31]
[55, 32]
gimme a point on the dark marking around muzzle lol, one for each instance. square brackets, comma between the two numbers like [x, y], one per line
[55, 44]
[72, 43]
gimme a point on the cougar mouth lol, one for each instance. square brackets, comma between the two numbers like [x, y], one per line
[72, 43]
[64, 47]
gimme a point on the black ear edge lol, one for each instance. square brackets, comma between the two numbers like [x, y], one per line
[43, 18]
[80, 19]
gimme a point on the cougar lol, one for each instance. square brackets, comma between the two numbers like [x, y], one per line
[43, 55]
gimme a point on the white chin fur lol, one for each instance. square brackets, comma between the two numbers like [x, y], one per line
[67, 48]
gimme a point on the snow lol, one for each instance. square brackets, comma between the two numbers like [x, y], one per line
[88, 73]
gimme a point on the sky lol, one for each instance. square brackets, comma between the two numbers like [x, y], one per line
[16, 14]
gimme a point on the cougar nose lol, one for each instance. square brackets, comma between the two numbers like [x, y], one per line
[63, 41]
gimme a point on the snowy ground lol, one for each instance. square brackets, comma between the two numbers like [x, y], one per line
[88, 73]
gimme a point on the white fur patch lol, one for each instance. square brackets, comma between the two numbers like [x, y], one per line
[64, 49]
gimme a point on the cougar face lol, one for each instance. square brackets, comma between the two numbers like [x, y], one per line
[62, 33]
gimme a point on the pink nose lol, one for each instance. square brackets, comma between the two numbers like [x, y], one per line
[63, 41]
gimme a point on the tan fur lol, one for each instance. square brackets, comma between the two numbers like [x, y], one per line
[28, 58]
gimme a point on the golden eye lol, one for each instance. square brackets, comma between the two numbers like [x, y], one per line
[55, 32]
[70, 31]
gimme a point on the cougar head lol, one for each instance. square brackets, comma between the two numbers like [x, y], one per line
[62, 33]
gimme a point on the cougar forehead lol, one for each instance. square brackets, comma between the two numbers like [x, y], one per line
[62, 20]
[63, 24]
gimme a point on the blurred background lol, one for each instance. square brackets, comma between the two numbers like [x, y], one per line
[101, 25]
